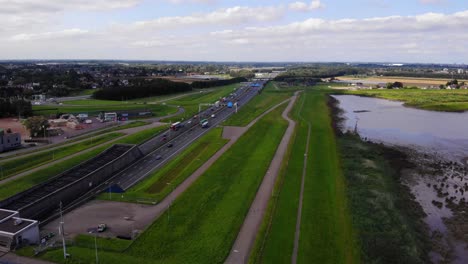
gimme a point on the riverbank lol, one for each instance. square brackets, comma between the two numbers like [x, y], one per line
[395, 231]
[429, 184]
[434, 100]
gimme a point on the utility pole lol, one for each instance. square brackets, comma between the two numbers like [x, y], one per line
[62, 232]
[95, 246]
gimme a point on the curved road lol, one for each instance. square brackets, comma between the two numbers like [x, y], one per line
[245, 239]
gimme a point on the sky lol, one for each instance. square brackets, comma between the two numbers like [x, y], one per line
[418, 31]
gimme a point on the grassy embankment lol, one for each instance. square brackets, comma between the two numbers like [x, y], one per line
[80, 138]
[326, 233]
[11, 188]
[438, 100]
[270, 96]
[389, 222]
[191, 102]
[203, 222]
[160, 183]
[12, 167]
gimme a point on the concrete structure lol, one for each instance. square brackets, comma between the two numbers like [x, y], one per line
[16, 232]
[41, 201]
[9, 140]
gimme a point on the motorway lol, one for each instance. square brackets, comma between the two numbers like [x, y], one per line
[180, 140]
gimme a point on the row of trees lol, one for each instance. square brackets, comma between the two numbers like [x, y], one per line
[208, 84]
[15, 107]
[142, 88]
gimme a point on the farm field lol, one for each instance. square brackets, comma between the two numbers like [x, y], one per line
[326, 232]
[213, 198]
[18, 165]
[269, 97]
[438, 100]
[162, 182]
[407, 81]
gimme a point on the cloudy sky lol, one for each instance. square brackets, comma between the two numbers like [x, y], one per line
[227, 30]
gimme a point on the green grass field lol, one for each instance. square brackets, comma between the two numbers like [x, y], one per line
[438, 100]
[190, 103]
[18, 165]
[269, 97]
[107, 106]
[11, 188]
[142, 136]
[155, 187]
[202, 224]
[80, 138]
[326, 234]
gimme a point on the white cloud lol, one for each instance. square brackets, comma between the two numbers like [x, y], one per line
[304, 7]
[68, 33]
[430, 37]
[432, 1]
[226, 16]
[51, 6]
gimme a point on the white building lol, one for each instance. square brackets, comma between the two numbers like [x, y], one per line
[16, 231]
[9, 141]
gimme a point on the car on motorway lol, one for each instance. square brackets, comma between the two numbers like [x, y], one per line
[158, 157]
[170, 145]
[213, 116]
[101, 227]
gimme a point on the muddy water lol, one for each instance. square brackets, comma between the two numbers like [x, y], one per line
[438, 144]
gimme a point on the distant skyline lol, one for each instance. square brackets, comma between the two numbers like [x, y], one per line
[411, 31]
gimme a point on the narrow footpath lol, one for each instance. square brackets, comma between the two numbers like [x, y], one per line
[162, 206]
[242, 247]
[301, 194]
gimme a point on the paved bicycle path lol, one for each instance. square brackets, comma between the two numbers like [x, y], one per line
[245, 239]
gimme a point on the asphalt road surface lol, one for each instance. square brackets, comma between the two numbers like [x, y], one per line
[179, 140]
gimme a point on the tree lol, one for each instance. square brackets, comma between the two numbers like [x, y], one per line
[36, 125]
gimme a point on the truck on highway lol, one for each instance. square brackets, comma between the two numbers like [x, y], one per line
[176, 126]
[204, 123]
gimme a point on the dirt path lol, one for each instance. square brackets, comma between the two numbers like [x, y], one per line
[301, 195]
[245, 239]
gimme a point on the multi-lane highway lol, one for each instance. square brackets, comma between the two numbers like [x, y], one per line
[178, 140]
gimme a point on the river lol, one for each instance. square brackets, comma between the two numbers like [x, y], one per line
[438, 144]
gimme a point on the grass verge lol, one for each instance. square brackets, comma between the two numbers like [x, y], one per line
[191, 102]
[18, 165]
[15, 186]
[160, 183]
[203, 223]
[270, 96]
[326, 233]
[105, 106]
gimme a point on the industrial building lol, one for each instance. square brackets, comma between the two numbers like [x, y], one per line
[16, 231]
[9, 140]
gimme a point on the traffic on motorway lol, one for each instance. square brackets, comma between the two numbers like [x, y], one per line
[168, 144]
